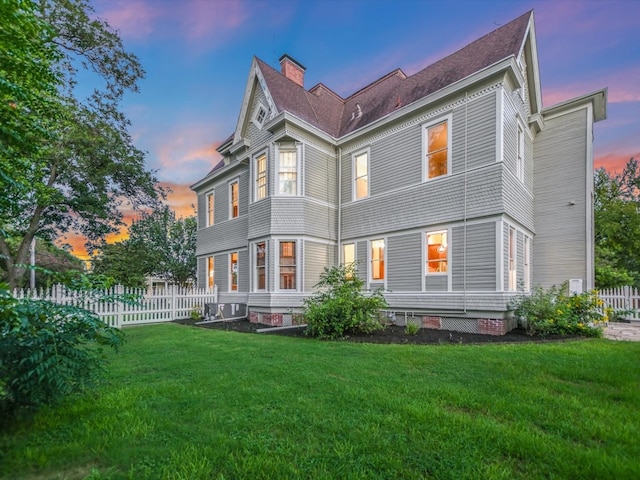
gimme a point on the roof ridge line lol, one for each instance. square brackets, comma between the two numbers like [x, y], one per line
[396, 71]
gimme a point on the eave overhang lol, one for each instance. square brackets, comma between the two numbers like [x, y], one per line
[598, 99]
[223, 171]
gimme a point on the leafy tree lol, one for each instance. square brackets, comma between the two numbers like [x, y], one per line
[123, 261]
[72, 163]
[52, 263]
[617, 226]
[169, 243]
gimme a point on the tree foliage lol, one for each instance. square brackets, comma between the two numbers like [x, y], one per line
[69, 162]
[617, 226]
[159, 244]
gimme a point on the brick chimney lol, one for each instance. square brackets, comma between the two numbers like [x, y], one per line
[292, 69]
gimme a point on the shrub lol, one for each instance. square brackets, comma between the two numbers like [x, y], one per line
[411, 328]
[48, 350]
[553, 312]
[341, 306]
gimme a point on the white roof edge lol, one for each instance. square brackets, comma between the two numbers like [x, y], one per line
[597, 98]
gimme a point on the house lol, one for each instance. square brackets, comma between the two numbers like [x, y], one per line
[453, 188]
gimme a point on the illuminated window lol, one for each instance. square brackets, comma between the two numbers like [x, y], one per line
[233, 193]
[527, 263]
[520, 155]
[233, 272]
[512, 259]
[377, 260]
[210, 205]
[287, 265]
[261, 176]
[210, 269]
[261, 256]
[361, 175]
[349, 257]
[437, 252]
[436, 149]
[288, 172]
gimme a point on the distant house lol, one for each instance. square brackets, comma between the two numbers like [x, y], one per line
[452, 188]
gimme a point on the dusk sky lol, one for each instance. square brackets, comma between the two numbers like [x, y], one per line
[197, 55]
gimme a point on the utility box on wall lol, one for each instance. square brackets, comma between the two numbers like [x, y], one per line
[575, 286]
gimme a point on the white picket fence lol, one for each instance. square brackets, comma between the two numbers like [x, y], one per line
[151, 306]
[623, 298]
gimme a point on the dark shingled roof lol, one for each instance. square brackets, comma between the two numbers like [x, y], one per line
[327, 111]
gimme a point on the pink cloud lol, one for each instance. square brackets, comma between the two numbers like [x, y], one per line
[132, 18]
[614, 162]
[622, 88]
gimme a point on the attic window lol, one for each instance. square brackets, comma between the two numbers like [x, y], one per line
[261, 115]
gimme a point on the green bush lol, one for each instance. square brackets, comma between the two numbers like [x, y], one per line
[48, 350]
[341, 306]
[553, 312]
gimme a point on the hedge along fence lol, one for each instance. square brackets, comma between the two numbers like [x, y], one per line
[149, 306]
[624, 299]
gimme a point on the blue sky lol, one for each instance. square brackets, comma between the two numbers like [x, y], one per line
[197, 55]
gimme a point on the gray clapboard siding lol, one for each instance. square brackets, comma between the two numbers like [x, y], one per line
[395, 161]
[201, 272]
[361, 259]
[478, 305]
[518, 202]
[319, 174]
[510, 135]
[221, 272]
[560, 162]
[317, 256]
[520, 260]
[244, 271]
[436, 283]
[480, 258]
[505, 255]
[201, 206]
[299, 216]
[481, 133]
[404, 263]
[259, 218]
[227, 235]
[430, 203]
[243, 193]
[255, 135]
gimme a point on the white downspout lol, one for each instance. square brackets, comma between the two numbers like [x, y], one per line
[464, 251]
[339, 236]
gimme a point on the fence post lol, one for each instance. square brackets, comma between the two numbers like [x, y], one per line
[119, 307]
[173, 303]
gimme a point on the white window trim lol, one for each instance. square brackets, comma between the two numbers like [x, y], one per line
[254, 263]
[353, 173]
[255, 175]
[276, 255]
[230, 184]
[288, 147]
[425, 126]
[426, 257]
[520, 150]
[210, 193]
[255, 120]
[230, 275]
[513, 288]
[526, 259]
[369, 260]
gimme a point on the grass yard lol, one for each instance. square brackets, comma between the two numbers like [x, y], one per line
[188, 403]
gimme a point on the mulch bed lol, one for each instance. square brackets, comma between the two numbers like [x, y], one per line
[392, 334]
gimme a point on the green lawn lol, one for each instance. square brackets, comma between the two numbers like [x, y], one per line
[188, 403]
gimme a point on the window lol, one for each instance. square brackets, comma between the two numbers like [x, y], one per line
[512, 259]
[210, 205]
[288, 173]
[377, 260]
[361, 175]
[210, 269]
[233, 272]
[527, 263]
[520, 157]
[261, 115]
[436, 148]
[437, 253]
[348, 255]
[261, 176]
[233, 193]
[261, 256]
[287, 265]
